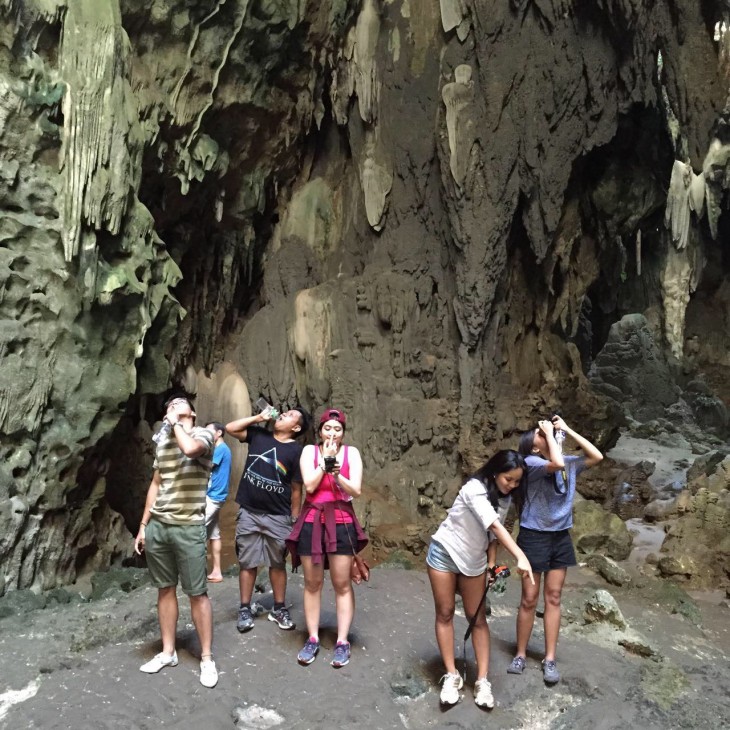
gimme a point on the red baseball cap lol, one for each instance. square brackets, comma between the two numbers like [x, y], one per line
[332, 414]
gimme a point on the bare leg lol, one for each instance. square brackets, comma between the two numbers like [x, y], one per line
[313, 581]
[215, 551]
[167, 612]
[443, 586]
[472, 590]
[526, 613]
[340, 566]
[246, 583]
[277, 576]
[552, 591]
[202, 612]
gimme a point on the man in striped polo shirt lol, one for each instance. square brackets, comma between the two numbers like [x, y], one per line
[172, 533]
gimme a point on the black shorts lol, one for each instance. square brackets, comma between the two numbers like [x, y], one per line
[345, 543]
[547, 550]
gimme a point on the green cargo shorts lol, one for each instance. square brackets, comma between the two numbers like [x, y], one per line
[177, 552]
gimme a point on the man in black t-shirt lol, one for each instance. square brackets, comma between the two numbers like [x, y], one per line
[270, 497]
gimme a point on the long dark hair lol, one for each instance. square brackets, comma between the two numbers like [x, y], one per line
[502, 461]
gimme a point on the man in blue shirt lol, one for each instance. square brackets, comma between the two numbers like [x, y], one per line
[216, 497]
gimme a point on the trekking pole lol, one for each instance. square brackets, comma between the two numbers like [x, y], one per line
[499, 572]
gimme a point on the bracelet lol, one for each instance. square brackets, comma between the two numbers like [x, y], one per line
[143, 524]
[177, 423]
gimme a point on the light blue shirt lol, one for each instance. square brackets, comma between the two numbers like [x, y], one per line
[549, 497]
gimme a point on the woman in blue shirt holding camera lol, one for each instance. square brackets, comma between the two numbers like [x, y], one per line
[545, 520]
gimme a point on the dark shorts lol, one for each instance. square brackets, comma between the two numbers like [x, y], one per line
[547, 550]
[346, 538]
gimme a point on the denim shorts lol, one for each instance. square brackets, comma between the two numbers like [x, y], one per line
[438, 558]
[547, 550]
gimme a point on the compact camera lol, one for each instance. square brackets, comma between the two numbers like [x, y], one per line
[330, 462]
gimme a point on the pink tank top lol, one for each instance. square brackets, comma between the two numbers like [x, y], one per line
[329, 491]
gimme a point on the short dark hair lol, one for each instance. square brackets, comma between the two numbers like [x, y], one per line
[218, 426]
[305, 420]
[179, 396]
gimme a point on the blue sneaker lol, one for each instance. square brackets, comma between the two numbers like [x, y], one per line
[342, 654]
[308, 652]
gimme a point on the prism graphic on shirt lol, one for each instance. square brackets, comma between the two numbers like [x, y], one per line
[265, 472]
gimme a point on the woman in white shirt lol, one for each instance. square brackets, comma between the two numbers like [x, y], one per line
[457, 561]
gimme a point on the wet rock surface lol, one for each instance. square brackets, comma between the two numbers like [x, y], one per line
[77, 665]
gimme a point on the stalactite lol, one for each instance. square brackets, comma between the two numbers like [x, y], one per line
[367, 85]
[216, 74]
[458, 97]
[96, 162]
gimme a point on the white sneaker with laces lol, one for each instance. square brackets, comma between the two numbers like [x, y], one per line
[208, 673]
[158, 662]
[483, 693]
[452, 683]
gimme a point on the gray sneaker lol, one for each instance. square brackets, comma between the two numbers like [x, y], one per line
[517, 666]
[282, 618]
[245, 619]
[550, 671]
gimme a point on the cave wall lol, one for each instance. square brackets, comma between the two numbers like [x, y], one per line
[407, 210]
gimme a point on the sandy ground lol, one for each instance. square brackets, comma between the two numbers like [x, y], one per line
[77, 666]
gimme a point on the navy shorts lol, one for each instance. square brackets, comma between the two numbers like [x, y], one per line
[346, 539]
[547, 550]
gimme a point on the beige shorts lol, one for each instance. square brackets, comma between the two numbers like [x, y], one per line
[213, 518]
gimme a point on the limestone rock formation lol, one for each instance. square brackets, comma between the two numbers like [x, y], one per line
[316, 202]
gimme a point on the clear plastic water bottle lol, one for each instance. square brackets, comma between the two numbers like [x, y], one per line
[263, 405]
[162, 434]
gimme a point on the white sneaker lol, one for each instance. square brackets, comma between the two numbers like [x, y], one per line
[452, 683]
[208, 673]
[483, 693]
[158, 662]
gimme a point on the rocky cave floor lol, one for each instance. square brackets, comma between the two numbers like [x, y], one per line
[75, 665]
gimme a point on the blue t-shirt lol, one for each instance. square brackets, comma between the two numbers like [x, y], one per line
[218, 482]
[549, 499]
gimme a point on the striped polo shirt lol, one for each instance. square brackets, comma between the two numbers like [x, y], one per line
[183, 481]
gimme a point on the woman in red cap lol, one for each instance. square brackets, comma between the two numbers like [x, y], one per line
[327, 533]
